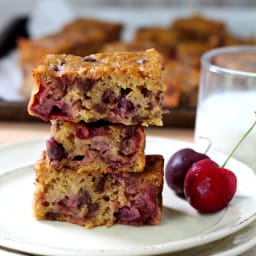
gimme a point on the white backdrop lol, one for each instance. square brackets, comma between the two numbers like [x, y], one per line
[10, 8]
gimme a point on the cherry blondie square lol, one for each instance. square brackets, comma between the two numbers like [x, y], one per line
[96, 198]
[102, 147]
[118, 87]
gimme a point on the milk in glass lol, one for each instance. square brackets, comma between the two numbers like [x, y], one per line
[223, 118]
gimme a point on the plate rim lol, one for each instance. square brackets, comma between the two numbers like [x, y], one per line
[143, 250]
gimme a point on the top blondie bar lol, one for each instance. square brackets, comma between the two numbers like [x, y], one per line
[118, 87]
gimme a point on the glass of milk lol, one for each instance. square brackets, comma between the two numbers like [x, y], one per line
[227, 101]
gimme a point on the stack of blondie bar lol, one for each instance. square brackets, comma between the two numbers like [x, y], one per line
[94, 170]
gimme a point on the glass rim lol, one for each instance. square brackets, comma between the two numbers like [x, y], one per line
[207, 56]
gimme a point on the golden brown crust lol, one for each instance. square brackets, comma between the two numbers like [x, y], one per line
[120, 64]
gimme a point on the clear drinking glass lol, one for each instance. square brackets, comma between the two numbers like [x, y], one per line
[227, 101]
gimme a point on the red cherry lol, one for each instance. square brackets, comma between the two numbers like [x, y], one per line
[208, 187]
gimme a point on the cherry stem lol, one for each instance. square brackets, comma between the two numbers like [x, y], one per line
[209, 144]
[238, 144]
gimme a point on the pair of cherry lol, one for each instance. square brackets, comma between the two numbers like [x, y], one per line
[207, 186]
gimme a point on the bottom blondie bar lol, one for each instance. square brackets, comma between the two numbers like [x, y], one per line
[95, 198]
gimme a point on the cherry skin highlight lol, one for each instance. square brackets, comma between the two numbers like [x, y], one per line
[178, 166]
[209, 187]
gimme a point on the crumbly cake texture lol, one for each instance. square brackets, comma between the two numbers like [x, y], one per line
[118, 87]
[93, 199]
[101, 147]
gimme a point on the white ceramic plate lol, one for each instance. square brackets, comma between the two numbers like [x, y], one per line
[181, 227]
[240, 243]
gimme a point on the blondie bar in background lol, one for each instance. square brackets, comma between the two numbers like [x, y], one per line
[82, 37]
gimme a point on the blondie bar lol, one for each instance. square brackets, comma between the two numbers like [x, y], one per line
[93, 199]
[198, 27]
[182, 82]
[118, 87]
[96, 147]
[164, 39]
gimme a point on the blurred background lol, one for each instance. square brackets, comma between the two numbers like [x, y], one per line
[221, 23]
[22, 7]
